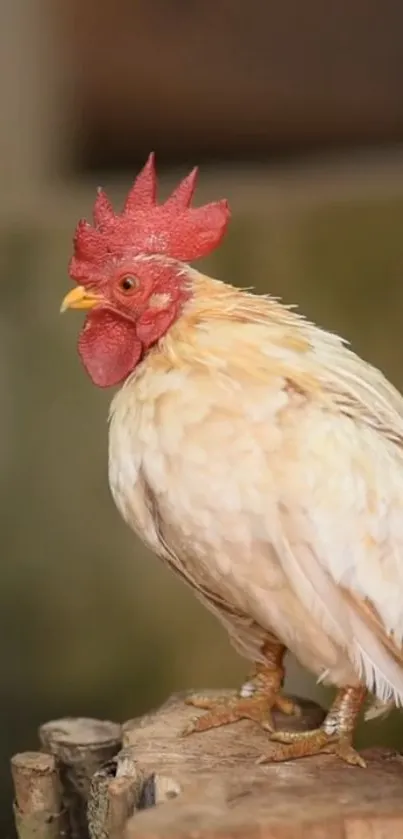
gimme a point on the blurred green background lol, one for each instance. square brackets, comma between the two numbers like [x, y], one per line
[91, 623]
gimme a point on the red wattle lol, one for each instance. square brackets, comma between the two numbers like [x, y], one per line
[109, 347]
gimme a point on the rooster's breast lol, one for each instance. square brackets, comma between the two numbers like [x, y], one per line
[194, 470]
[189, 452]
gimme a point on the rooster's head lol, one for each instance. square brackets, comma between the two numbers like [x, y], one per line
[132, 273]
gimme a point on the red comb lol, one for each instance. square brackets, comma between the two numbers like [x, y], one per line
[174, 228]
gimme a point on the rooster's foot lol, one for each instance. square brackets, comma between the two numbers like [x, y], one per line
[255, 701]
[294, 744]
[333, 737]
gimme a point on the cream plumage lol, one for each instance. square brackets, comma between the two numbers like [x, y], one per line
[263, 460]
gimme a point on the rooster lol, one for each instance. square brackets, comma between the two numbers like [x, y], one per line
[253, 452]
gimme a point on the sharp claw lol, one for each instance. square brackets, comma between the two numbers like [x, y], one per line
[267, 725]
[358, 761]
[214, 718]
[287, 706]
[346, 753]
[192, 727]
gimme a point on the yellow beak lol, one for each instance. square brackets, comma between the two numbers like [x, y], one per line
[79, 298]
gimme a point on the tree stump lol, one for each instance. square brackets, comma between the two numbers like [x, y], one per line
[161, 785]
[81, 746]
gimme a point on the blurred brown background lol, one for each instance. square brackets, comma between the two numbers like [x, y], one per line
[295, 113]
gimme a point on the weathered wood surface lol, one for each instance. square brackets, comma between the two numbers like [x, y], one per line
[220, 791]
[38, 806]
[161, 785]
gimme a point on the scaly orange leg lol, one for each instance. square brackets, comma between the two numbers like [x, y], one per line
[334, 736]
[254, 701]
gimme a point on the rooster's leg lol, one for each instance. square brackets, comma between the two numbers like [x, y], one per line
[333, 737]
[255, 700]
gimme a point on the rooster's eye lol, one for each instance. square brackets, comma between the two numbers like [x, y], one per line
[128, 283]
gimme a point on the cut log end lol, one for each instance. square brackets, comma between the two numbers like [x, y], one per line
[70, 735]
[36, 782]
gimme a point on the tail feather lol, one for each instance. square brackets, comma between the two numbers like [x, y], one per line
[378, 709]
[378, 669]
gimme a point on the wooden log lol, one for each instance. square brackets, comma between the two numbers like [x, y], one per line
[116, 791]
[128, 784]
[81, 746]
[209, 785]
[38, 796]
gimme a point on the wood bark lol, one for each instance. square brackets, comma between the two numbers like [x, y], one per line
[81, 746]
[38, 807]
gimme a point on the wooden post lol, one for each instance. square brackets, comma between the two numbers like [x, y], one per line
[115, 793]
[38, 796]
[216, 789]
[80, 746]
[208, 785]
